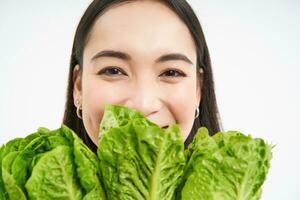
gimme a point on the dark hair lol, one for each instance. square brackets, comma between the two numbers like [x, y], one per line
[208, 111]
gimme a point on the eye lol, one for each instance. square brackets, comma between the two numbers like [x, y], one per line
[173, 73]
[111, 71]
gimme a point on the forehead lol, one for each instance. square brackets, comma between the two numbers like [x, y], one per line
[141, 27]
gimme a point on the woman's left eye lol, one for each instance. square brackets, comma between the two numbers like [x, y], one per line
[173, 73]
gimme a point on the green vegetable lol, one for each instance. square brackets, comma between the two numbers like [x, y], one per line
[12, 188]
[10, 147]
[136, 159]
[49, 165]
[228, 165]
[53, 177]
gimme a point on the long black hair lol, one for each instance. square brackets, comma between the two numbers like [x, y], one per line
[208, 110]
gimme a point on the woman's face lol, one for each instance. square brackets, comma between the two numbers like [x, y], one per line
[130, 60]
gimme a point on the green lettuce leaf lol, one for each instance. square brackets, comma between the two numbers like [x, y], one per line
[9, 150]
[31, 148]
[116, 116]
[13, 191]
[87, 168]
[3, 193]
[54, 177]
[22, 160]
[138, 159]
[228, 165]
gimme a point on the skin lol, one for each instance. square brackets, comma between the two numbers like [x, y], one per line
[165, 92]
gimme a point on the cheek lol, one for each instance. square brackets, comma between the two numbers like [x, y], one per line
[183, 101]
[95, 94]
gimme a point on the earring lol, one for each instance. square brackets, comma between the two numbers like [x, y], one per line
[197, 112]
[78, 107]
[201, 71]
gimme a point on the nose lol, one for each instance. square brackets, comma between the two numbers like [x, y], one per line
[144, 98]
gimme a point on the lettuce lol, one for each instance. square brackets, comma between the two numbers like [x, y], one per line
[53, 177]
[49, 165]
[138, 159]
[135, 159]
[228, 165]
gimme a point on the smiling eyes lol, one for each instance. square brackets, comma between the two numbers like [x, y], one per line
[116, 71]
[109, 71]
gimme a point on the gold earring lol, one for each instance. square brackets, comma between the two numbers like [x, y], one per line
[78, 107]
[197, 113]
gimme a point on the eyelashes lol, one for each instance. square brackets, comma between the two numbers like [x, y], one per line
[111, 71]
[174, 73]
[116, 71]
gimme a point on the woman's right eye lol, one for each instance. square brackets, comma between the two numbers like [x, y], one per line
[111, 71]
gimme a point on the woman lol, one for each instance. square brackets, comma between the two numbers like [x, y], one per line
[145, 54]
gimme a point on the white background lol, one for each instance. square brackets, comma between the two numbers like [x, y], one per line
[254, 48]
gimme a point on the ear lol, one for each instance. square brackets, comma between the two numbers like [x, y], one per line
[199, 90]
[77, 87]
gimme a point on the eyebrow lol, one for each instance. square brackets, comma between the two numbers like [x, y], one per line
[127, 57]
